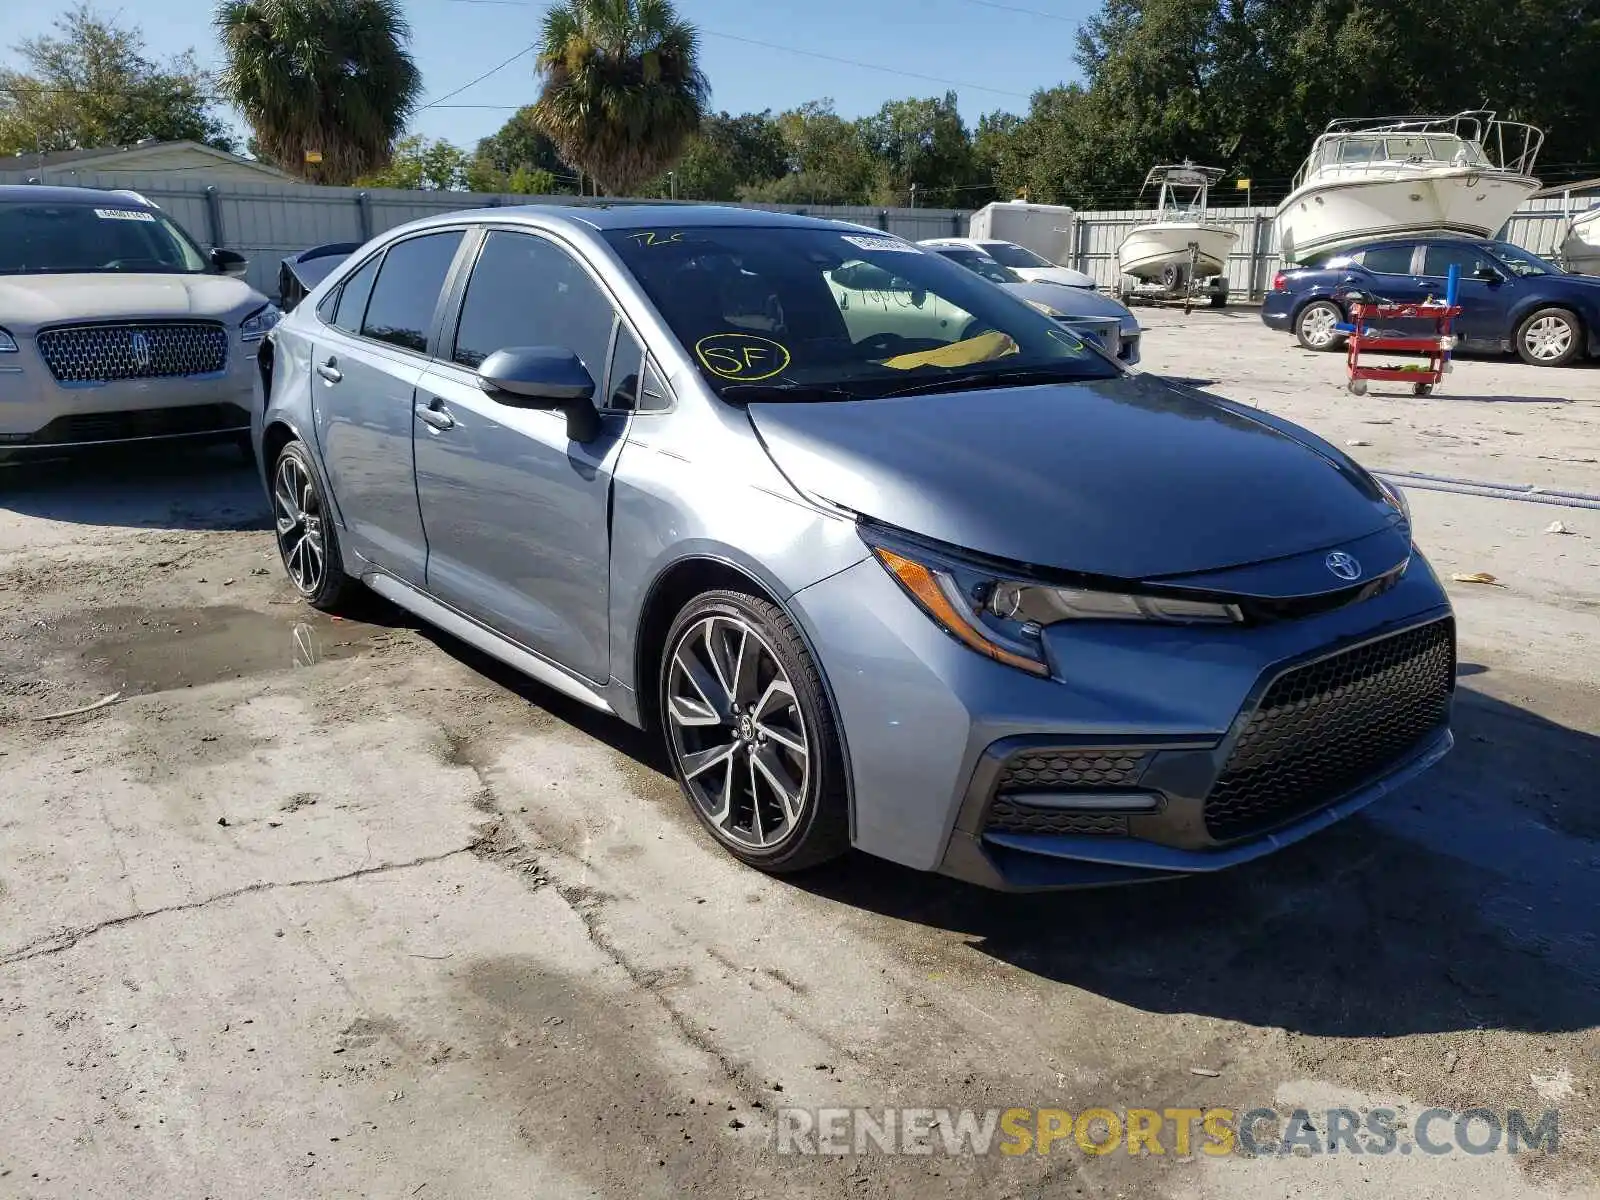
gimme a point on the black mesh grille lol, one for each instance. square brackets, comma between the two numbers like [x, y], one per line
[1327, 727]
[1075, 770]
[158, 350]
[143, 423]
[1015, 815]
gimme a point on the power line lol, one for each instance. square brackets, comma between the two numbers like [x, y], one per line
[474, 83]
[866, 66]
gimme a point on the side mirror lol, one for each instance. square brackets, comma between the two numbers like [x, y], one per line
[229, 262]
[1487, 274]
[544, 377]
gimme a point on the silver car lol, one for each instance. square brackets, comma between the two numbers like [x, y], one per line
[921, 573]
[115, 326]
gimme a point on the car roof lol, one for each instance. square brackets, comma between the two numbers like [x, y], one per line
[626, 215]
[36, 193]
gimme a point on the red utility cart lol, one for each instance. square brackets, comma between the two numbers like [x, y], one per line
[1434, 347]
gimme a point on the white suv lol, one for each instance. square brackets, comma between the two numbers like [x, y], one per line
[115, 326]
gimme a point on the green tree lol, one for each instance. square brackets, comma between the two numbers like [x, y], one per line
[517, 146]
[92, 85]
[328, 77]
[423, 164]
[925, 151]
[728, 153]
[827, 160]
[623, 91]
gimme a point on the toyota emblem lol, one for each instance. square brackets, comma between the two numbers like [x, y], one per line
[1343, 565]
[140, 345]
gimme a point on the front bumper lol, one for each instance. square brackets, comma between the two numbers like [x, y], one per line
[929, 727]
[39, 414]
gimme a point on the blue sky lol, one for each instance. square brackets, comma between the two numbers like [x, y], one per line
[993, 52]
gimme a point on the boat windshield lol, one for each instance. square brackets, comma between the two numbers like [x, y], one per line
[1348, 149]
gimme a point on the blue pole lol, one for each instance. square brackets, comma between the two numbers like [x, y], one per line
[1452, 290]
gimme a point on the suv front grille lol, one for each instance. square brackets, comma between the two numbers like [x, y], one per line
[145, 350]
[1325, 728]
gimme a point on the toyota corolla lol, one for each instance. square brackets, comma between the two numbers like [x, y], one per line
[946, 584]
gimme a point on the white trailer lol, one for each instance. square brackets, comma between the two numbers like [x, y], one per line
[1043, 228]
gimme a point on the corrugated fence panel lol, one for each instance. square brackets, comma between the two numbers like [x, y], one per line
[269, 221]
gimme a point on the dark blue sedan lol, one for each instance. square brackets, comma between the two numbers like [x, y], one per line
[1511, 300]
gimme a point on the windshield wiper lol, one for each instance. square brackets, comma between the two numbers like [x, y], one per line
[1011, 377]
[786, 391]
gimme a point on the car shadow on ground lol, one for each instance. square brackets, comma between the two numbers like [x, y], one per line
[167, 486]
[1465, 901]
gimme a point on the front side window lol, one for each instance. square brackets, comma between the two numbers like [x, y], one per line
[109, 237]
[527, 291]
[406, 293]
[1437, 260]
[1008, 255]
[810, 312]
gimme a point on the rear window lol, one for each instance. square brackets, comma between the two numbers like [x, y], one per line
[1388, 260]
[409, 282]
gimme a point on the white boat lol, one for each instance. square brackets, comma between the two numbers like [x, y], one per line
[1184, 240]
[1580, 248]
[1394, 176]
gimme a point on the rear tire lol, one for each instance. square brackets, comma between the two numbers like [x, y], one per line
[1549, 337]
[753, 741]
[1314, 325]
[308, 540]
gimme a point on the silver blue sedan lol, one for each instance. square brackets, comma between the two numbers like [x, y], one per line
[887, 557]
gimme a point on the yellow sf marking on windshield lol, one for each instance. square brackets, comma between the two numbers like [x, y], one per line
[742, 356]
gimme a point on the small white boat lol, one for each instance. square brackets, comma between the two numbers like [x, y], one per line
[1393, 176]
[1184, 245]
[1580, 248]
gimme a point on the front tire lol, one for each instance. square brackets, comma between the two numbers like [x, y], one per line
[308, 542]
[1550, 337]
[1314, 325]
[753, 740]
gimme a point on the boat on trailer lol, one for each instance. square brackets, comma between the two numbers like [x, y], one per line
[1396, 176]
[1184, 250]
[1580, 246]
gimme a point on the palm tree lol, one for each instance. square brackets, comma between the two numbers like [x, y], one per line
[623, 91]
[328, 77]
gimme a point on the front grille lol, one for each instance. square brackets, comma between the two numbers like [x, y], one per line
[153, 350]
[191, 419]
[1070, 770]
[1014, 815]
[1325, 728]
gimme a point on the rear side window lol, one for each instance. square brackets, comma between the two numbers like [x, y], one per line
[526, 291]
[351, 305]
[1388, 260]
[407, 290]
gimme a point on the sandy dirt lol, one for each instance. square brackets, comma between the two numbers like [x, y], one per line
[339, 908]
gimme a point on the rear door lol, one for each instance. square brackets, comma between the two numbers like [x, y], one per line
[516, 514]
[1484, 302]
[368, 359]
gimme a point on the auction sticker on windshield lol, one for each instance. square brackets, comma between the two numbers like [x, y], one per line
[882, 243]
[742, 356]
[123, 214]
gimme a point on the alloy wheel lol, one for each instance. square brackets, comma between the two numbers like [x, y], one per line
[737, 732]
[297, 516]
[1317, 326]
[1547, 338]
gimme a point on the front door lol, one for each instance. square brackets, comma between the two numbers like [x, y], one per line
[367, 360]
[515, 512]
[1483, 300]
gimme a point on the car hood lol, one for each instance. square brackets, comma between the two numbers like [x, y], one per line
[1065, 276]
[1128, 478]
[1075, 302]
[29, 301]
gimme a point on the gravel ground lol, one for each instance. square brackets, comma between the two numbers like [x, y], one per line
[339, 908]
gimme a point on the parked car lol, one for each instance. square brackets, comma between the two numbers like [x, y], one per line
[965, 593]
[299, 273]
[115, 326]
[1511, 300]
[1029, 266]
[1087, 312]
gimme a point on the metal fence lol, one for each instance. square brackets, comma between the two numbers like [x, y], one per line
[268, 221]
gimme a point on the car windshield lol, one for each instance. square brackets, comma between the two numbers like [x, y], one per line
[112, 235]
[803, 313]
[1519, 262]
[1008, 255]
[976, 260]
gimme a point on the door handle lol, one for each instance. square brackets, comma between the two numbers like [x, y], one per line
[330, 370]
[435, 415]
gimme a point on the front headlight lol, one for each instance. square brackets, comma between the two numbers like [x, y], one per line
[1004, 618]
[256, 326]
[1396, 497]
[8, 344]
